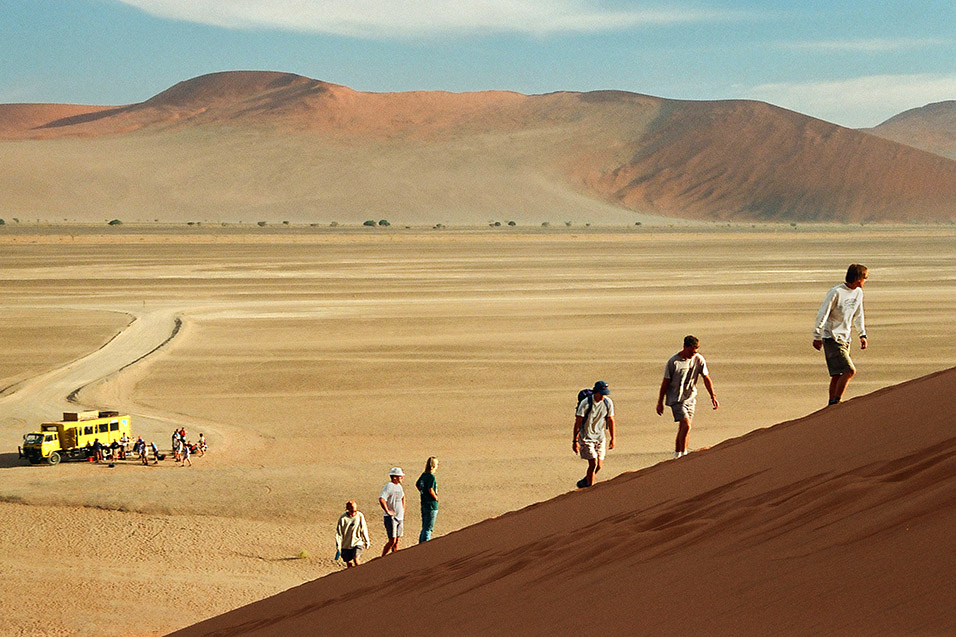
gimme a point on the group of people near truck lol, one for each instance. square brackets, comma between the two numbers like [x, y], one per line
[594, 429]
[351, 531]
[183, 449]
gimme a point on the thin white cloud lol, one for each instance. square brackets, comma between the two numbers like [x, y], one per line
[859, 102]
[872, 45]
[410, 18]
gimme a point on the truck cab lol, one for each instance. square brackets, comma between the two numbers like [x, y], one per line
[40, 444]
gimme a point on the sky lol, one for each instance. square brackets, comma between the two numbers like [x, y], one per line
[851, 62]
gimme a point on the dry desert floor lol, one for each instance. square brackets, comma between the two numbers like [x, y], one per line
[315, 360]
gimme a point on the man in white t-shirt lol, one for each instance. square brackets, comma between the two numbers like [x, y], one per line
[679, 387]
[392, 500]
[594, 414]
[842, 309]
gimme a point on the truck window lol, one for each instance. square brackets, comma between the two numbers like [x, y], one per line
[103, 428]
[114, 426]
[48, 438]
[88, 430]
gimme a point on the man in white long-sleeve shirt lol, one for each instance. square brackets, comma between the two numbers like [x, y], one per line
[842, 310]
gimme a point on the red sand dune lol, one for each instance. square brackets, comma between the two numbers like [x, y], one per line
[728, 160]
[931, 127]
[22, 120]
[839, 523]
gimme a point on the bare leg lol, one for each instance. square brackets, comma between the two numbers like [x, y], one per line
[838, 385]
[683, 434]
[594, 465]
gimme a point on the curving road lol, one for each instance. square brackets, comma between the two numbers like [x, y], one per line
[44, 396]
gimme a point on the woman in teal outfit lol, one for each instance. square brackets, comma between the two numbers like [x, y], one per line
[427, 485]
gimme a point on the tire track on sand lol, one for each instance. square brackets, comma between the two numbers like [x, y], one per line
[46, 395]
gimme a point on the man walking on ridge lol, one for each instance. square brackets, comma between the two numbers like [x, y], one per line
[594, 414]
[680, 389]
[392, 500]
[842, 309]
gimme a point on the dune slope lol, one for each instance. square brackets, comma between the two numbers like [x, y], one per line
[837, 523]
[931, 128]
[252, 142]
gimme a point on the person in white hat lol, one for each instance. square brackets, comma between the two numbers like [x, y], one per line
[392, 500]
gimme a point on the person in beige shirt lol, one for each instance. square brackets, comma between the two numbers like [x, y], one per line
[351, 535]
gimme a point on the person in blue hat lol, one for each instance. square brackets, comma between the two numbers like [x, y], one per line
[594, 415]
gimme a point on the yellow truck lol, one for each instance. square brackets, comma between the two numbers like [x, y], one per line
[73, 437]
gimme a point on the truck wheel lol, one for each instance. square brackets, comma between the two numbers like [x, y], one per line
[54, 458]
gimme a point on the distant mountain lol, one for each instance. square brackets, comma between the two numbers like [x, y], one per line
[931, 128]
[249, 144]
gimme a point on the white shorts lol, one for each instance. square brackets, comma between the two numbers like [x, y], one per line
[593, 450]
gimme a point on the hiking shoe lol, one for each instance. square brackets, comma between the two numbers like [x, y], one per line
[583, 483]
[835, 401]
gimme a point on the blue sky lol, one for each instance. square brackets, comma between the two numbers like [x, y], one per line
[852, 62]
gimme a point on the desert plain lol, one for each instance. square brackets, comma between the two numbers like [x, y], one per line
[313, 360]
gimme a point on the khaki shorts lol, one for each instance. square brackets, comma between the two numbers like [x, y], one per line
[838, 357]
[684, 409]
[393, 527]
[593, 450]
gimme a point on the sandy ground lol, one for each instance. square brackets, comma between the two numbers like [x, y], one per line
[839, 523]
[313, 362]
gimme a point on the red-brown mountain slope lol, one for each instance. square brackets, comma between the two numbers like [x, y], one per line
[931, 127]
[840, 523]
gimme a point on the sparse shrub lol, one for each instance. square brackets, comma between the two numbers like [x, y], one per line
[438, 226]
[545, 224]
[383, 222]
[636, 223]
[512, 224]
[793, 225]
[303, 554]
[285, 223]
[370, 223]
[497, 224]
[567, 223]
[190, 223]
[15, 220]
[115, 222]
[261, 224]
[2, 222]
[334, 224]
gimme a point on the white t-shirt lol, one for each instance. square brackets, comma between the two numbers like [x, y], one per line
[392, 494]
[841, 308]
[682, 374]
[592, 429]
